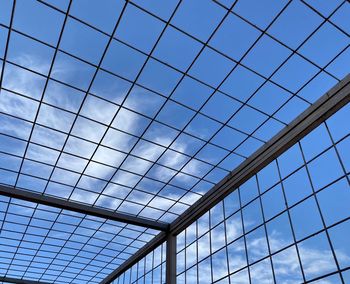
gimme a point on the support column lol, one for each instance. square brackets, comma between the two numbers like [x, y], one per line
[171, 259]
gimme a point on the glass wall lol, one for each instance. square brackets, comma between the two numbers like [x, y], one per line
[289, 223]
[150, 269]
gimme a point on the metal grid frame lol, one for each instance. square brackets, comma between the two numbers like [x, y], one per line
[304, 124]
[57, 243]
[199, 180]
[203, 228]
[150, 269]
[175, 228]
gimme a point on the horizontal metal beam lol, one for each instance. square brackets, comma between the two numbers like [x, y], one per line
[81, 208]
[20, 281]
[311, 118]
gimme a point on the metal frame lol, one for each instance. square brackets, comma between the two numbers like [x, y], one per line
[312, 117]
[307, 121]
[156, 241]
[327, 105]
[81, 208]
[20, 281]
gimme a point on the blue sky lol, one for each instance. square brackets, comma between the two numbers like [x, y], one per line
[253, 221]
[171, 109]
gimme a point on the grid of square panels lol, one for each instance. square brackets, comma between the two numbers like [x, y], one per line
[145, 116]
[289, 223]
[50, 245]
[149, 270]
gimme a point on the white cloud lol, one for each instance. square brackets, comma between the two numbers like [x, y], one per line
[27, 83]
[316, 261]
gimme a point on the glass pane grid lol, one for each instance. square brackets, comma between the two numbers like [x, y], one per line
[144, 117]
[86, 104]
[286, 223]
[42, 243]
[150, 269]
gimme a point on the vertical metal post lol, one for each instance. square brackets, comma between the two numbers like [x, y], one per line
[171, 259]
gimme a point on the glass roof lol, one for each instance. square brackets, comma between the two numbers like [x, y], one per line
[140, 107]
[51, 245]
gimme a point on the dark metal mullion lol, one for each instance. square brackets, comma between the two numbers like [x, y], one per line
[226, 243]
[210, 248]
[329, 20]
[144, 270]
[161, 265]
[244, 236]
[152, 270]
[335, 146]
[265, 229]
[290, 219]
[320, 211]
[7, 42]
[185, 256]
[197, 250]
